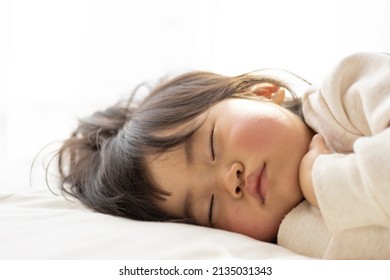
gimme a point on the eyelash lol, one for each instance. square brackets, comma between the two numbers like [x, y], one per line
[212, 144]
[211, 210]
[213, 158]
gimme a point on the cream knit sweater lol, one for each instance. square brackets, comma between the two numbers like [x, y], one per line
[352, 185]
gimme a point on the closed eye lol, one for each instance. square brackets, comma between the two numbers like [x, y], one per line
[212, 144]
[211, 209]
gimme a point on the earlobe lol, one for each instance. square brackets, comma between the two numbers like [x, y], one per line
[278, 96]
[272, 92]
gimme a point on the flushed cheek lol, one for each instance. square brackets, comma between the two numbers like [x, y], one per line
[254, 133]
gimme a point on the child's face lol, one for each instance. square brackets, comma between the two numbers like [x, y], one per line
[239, 172]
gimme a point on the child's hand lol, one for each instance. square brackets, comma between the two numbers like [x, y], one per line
[316, 148]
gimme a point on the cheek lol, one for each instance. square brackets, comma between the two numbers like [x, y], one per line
[246, 221]
[256, 132]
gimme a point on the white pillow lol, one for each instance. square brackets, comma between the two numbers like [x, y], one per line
[43, 226]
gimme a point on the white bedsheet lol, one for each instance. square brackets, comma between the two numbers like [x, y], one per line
[39, 225]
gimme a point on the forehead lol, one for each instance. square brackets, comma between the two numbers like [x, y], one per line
[162, 164]
[170, 172]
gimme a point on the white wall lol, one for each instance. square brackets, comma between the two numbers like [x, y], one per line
[60, 60]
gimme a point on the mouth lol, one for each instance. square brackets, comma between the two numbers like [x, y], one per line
[255, 183]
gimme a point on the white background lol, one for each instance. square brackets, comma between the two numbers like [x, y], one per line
[281, 269]
[60, 60]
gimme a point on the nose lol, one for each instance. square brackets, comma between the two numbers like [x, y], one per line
[233, 180]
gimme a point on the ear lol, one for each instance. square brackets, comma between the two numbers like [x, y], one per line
[272, 92]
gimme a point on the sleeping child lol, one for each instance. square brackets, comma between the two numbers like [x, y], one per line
[236, 153]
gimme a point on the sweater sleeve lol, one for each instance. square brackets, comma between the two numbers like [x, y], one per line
[352, 111]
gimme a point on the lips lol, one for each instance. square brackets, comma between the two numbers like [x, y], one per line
[255, 183]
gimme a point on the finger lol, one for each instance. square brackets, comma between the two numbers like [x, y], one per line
[318, 144]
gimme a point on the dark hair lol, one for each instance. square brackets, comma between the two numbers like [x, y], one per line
[102, 163]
